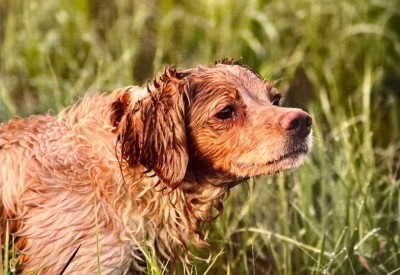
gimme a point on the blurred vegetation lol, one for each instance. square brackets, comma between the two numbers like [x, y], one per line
[339, 213]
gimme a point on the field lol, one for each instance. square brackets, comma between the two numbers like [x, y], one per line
[340, 60]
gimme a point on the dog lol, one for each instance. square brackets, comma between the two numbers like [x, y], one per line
[142, 169]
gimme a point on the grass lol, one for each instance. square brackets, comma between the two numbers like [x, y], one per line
[338, 213]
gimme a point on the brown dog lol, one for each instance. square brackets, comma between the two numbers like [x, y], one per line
[140, 164]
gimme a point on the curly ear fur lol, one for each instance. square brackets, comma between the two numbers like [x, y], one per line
[153, 132]
[120, 106]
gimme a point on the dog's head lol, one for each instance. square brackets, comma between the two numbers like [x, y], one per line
[222, 119]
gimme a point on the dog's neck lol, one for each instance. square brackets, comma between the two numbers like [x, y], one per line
[172, 219]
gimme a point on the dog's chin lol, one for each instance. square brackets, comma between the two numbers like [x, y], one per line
[283, 162]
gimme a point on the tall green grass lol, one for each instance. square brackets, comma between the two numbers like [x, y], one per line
[337, 214]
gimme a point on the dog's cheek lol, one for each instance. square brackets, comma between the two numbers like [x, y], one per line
[215, 150]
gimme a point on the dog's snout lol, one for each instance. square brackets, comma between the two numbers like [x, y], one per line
[298, 122]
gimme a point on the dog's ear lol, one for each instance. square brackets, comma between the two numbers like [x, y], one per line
[152, 132]
[120, 105]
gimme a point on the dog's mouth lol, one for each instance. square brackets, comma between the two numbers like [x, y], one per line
[285, 161]
[293, 155]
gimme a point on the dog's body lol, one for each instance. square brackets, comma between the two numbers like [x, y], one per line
[139, 164]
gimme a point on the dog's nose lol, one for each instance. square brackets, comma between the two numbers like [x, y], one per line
[298, 122]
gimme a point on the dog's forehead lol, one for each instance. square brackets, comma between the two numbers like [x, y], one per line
[250, 80]
[234, 74]
[234, 81]
[238, 70]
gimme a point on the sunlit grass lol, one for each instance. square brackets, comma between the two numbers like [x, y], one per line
[338, 213]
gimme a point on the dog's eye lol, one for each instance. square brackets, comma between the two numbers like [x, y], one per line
[276, 99]
[226, 113]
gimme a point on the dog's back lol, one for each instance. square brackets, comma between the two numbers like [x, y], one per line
[47, 186]
[19, 140]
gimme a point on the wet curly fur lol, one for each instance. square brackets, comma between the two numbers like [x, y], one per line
[140, 165]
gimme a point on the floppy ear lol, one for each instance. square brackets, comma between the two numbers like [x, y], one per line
[120, 105]
[152, 132]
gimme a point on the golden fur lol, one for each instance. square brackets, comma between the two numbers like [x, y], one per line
[142, 164]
